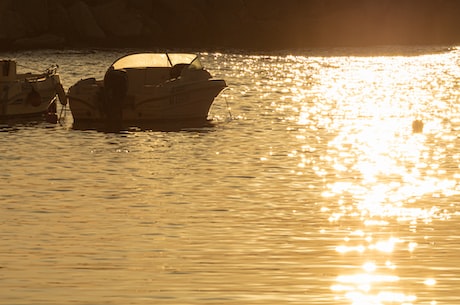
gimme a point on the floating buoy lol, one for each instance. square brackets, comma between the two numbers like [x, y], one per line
[34, 98]
[417, 126]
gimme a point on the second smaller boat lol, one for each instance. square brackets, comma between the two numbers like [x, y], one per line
[28, 95]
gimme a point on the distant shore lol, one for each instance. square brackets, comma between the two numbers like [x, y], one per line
[238, 24]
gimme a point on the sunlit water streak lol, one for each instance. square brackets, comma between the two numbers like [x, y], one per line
[316, 192]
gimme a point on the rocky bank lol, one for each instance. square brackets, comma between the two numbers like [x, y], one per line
[237, 24]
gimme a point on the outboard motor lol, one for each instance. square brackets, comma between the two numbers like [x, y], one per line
[115, 89]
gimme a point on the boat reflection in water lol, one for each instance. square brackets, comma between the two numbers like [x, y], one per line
[157, 89]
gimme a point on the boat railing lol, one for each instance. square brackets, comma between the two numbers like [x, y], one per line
[51, 70]
[34, 77]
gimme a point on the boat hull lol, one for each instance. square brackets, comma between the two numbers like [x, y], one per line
[180, 101]
[25, 98]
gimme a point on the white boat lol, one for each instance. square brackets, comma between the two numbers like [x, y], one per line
[29, 95]
[146, 88]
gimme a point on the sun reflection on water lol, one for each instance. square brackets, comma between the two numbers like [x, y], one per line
[383, 177]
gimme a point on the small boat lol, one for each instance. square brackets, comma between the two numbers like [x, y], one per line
[28, 95]
[146, 88]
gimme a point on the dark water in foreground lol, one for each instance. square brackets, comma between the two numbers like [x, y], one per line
[317, 192]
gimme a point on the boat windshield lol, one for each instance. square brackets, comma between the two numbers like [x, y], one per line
[144, 60]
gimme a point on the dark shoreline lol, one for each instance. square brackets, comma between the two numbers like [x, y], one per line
[236, 24]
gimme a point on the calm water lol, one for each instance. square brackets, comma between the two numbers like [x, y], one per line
[315, 192]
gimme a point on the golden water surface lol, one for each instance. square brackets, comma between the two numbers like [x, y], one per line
[312, 189]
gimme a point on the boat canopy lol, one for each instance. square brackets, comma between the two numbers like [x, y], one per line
[144, 60]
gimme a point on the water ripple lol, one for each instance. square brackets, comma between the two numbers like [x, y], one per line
[316, 191]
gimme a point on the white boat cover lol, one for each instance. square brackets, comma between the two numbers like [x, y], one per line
[144, 60]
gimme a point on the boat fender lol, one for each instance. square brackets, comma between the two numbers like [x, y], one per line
[34, 98]
[61, 94]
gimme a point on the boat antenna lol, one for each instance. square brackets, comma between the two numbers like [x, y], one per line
[169, 59]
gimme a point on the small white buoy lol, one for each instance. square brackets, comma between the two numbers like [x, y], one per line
[417, 126]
